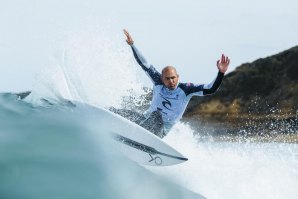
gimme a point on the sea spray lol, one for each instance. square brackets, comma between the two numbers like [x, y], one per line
[92, 67]
[233, 169]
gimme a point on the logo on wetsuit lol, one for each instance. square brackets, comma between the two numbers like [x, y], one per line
[166, 102]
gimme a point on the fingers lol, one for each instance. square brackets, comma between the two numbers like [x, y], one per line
[228, 61]
[126, 33]
[129, 40]
[224, 59]
[223, 63]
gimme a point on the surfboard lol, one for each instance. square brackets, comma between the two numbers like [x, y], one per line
[138, 144]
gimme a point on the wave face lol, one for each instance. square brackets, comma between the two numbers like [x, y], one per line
[62, 151]
[53, 144]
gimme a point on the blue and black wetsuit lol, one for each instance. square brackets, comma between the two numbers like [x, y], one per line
[171, 104]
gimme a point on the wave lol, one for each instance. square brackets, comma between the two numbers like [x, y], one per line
[62, 151]
[53, 145]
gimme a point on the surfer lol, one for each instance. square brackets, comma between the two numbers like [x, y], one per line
[170, 97]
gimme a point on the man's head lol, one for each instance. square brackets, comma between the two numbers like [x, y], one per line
[170, 77]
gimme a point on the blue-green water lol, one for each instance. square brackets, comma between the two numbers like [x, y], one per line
[60, 151]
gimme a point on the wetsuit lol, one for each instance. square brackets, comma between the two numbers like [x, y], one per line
[171, 104]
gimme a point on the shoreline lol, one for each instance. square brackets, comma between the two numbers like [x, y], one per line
[278, 138]
[253, 128]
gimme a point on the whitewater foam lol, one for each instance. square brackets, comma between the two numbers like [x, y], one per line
[234, 170]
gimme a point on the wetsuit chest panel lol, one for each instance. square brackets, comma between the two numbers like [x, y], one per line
[171, 103]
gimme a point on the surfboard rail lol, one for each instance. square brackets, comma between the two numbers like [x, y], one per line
[145, 148]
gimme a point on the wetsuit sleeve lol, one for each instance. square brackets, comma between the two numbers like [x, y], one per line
[213, 86]
[203, 89]
[154, 75]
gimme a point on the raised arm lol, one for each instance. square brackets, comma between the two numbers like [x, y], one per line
[154, 75]
[222, 66]
[214, 85]
[207, 89]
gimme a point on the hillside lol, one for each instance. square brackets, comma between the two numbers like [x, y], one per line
[262, 92]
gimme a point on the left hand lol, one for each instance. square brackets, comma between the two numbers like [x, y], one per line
[223, 64]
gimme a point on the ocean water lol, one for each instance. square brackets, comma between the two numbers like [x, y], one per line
[62, 151]
[54, 145]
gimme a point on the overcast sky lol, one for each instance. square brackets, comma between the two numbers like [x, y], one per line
[189, 34]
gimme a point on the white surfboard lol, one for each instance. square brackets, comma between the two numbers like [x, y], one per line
[138, 144]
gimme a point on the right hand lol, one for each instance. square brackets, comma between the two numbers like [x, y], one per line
[128, 37]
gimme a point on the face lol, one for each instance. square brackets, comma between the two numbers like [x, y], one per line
[170, 78]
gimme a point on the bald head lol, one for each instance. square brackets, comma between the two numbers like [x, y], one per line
[170, 77]
[168, 69]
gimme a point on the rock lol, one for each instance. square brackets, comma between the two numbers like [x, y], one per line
[266, 89]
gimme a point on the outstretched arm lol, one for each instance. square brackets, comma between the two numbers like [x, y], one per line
[207, 89]
[137, 54]
[222, 66]
[214, 85]
[154, 75]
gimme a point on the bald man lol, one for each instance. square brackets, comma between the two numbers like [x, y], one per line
[170, 97]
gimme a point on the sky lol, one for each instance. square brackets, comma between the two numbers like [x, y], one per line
[190, 35]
